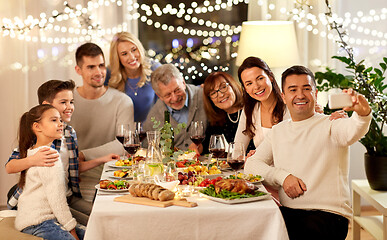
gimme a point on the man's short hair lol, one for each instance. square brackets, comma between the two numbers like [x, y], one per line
[164, 74]
[89, 50]
[48, 90]
[297, 70]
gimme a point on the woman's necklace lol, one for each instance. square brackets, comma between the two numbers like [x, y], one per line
[237, 119]
[133, 89]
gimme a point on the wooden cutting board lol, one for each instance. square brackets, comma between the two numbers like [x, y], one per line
[155, 203]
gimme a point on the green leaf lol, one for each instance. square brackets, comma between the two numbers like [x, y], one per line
[368, 69]
[379, 72]
[385, 59]
[343, 59]
[383, 66]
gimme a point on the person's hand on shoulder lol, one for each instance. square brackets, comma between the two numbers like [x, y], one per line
[44, 157]
[293, 186]
[359, 103]
[338, 114]
[250, 153]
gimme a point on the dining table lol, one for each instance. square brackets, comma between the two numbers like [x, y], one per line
[110, 219]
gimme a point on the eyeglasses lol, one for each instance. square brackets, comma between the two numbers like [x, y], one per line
[222, 89]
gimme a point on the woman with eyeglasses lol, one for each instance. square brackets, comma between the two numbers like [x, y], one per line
[223, 103]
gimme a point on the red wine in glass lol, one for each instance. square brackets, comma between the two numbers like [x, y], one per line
[132, 148]
[217, 152]
[120, 138]
[236, 164]
[197, 139]
[142, 135]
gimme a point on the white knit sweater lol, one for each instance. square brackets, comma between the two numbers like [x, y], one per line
[44, 197]
[316, 151]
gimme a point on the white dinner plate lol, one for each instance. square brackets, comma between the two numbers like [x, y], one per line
[240, 200]
[111, 190]
[259, 181]
[111, 175]
[113, 165]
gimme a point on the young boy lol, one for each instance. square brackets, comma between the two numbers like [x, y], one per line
[60, 95]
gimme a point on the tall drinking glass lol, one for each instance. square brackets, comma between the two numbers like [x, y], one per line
[197, 132]
[140, 131]
[217, 146]
[120, 135]
[131, 142]
[236, 156]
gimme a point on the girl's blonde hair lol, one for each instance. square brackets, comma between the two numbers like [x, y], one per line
[118, 75]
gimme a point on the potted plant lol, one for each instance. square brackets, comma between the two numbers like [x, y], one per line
[368, 81]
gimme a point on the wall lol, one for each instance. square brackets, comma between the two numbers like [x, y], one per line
[22, 71]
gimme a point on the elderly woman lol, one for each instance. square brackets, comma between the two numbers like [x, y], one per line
[223, 103]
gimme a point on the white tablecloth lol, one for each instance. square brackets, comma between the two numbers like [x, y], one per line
[209, 220]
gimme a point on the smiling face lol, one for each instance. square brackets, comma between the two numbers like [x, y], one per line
[257, 83]
[173, 94]
[92, 70]
[64, 103]
[50, 125]
[222, 95]
[299, 95]
[129, 55]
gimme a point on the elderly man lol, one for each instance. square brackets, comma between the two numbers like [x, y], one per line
[183, 101]
[307, 157]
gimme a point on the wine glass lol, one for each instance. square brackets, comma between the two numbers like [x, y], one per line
[236, 156]
[217, 146]
[120, 134]
[140, 131]
[131, 142]
[197, 132]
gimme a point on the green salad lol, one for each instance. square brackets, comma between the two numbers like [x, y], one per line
[225, 194]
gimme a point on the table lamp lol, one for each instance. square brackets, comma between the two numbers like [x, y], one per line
[272, 41]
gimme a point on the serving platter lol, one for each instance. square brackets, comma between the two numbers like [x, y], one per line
[236, 201]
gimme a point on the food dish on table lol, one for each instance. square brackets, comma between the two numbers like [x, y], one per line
[127, 163]
[120, 173]
[249, 177]
[232, 191]
[151, 191]
[113, 186]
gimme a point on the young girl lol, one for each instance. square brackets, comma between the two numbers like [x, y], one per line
[42, 208]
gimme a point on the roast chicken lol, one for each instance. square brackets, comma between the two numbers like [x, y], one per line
[234, 185]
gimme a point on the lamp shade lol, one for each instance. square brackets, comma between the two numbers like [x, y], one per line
[272, 41]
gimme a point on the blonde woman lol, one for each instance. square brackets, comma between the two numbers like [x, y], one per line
[130, 71]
